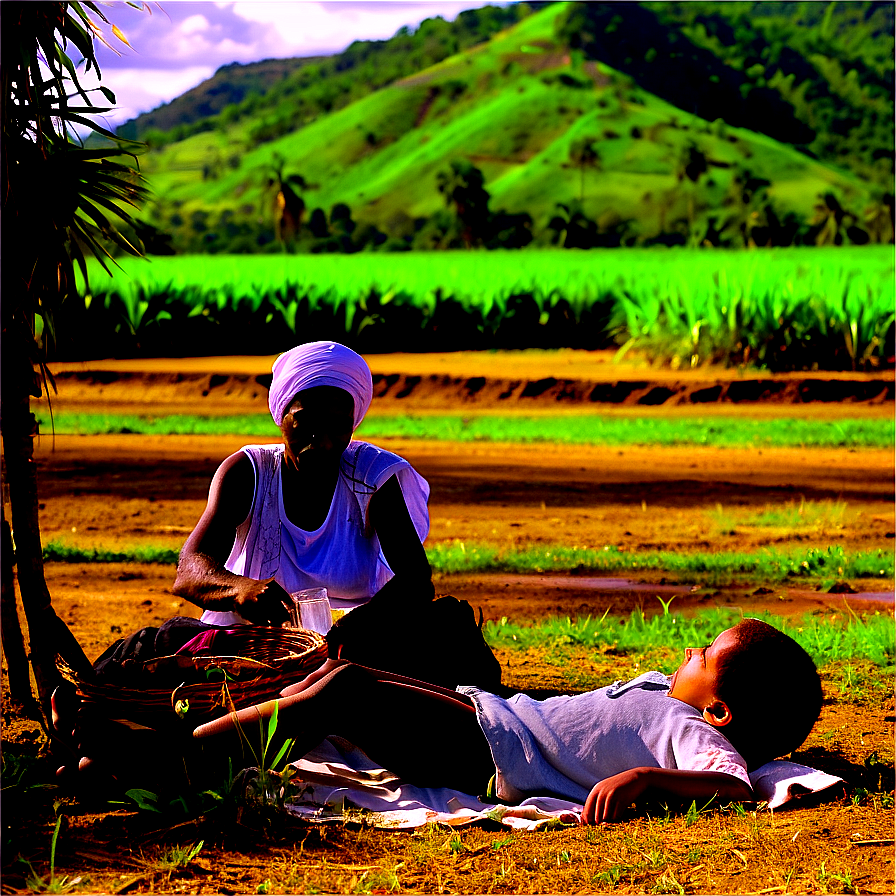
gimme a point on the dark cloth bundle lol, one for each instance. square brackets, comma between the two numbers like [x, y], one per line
[122, 662]
[440, 642]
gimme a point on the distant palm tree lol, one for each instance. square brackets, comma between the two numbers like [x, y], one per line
[61, 201]
[289, 207]
[583, 154]
[831, 219]
[463, 187]
[573, 229]
[878, 217]
[689, 164]
[746, 209]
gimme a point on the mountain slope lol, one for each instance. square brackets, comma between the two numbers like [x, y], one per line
[230, 84]
[517, 107]
[283, 94]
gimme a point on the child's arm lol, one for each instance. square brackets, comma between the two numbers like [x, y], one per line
[610, 798]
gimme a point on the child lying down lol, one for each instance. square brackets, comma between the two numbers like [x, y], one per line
[749, 697]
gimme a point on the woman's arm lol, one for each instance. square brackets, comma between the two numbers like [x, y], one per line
[412, 582]
[401, 546]
[201, 575]
[610, 798]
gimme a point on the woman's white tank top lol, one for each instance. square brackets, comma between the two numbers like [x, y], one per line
[344, 554]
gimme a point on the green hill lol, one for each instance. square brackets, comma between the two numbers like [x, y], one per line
[572, 150]
[231, 84]
[280, 96]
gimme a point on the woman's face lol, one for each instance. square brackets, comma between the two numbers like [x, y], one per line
[317, 426]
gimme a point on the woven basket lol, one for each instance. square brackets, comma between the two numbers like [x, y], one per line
[268, 660]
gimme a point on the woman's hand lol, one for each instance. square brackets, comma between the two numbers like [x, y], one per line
[262, 602]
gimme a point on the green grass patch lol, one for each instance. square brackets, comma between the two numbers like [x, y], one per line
[720, 432]
[827, 639]
[767, 565]
[169, 425]
[60, 552]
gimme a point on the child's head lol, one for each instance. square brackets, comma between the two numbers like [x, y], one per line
[757, 685]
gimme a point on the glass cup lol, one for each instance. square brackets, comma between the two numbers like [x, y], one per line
[310, 610]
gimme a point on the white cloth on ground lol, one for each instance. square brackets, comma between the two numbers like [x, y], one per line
[320, 364]
[344, 554]
[342, 780]
[780, 781]
[564, 745]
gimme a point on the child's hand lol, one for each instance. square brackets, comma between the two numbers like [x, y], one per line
[610, 798]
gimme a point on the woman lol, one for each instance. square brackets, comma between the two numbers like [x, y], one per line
[319, 510]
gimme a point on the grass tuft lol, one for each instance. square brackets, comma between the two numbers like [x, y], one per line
[818, 516]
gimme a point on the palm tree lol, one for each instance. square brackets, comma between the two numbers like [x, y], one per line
[746, 209]
[583, 153]
[463, 187]
[878, 217]
[689, 164]
[289, 207]
[573, 229]
[60, 199]
[831, 219]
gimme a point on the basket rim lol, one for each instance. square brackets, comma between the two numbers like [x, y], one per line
[273, 669]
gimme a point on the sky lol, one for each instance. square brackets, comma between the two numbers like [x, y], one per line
[177, 45]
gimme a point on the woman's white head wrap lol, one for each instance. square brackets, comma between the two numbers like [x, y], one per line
[320, 364]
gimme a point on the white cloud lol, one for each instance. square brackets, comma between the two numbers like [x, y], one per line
[139, 90]
[310, 27]
[159, 85]
[194, 23]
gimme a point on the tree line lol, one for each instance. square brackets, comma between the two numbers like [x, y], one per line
[817, 76]
[748, 216]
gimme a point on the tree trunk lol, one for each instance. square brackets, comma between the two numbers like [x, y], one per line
[47, 633]
[10, 628]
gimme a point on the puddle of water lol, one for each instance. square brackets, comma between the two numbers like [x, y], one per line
[883, 597]
[600, 583]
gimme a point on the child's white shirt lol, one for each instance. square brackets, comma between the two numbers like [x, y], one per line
[565, 745]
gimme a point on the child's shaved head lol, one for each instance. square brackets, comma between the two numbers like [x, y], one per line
[773, 690]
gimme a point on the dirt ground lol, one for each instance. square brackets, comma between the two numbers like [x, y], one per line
[131, 490]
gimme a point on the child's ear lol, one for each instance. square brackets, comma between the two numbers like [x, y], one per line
[717, 714]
